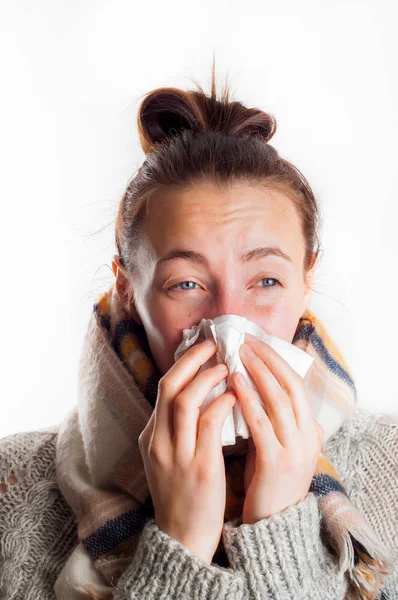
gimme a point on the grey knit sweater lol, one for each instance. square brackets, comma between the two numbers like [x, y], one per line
[282, 557]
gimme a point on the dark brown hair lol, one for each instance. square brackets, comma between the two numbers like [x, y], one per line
[189, 137]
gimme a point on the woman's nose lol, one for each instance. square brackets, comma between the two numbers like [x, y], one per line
[225, 303]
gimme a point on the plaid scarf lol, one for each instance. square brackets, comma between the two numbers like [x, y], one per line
[101, 474]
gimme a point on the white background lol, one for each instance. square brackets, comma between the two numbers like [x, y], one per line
[72, 75]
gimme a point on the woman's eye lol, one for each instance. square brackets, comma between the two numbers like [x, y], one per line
[269, 279]
[194, 282]
[177, 284]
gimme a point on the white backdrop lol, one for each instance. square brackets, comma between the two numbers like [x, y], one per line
[72, 75]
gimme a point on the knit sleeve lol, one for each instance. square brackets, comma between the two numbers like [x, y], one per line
[283, 557]
[164, 568]
[38, 538]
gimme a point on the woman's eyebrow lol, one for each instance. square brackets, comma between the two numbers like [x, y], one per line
[201, 259]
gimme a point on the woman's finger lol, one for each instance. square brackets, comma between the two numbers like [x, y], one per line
[287, 378]
[277, 402]
[186, 410]
[261, 428]
[173, 383]
[210, 427]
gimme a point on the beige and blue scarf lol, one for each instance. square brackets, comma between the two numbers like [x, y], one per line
[101, 474]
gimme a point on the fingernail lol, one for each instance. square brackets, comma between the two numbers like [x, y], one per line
[222, 367]
[240, 379]
[209, 342]
[250, 337]
[247, 350]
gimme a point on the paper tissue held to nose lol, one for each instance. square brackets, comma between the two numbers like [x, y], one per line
[228, 332]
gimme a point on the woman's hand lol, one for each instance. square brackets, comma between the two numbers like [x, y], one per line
[287, 440]
[183, 458]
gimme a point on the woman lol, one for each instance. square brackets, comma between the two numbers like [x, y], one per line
[286, 514]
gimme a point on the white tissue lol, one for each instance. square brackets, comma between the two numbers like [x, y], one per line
[228, 331]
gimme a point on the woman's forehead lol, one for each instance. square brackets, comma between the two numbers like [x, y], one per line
[242, 218]
[209, 199]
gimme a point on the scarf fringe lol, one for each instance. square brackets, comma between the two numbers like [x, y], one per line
[359, 545]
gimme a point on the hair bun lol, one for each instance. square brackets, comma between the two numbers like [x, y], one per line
[163, 112]
[168, 111]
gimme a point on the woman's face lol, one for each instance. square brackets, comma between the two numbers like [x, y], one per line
[220, 227]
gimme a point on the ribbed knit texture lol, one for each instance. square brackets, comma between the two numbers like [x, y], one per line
[283, 557]
[163, 568]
